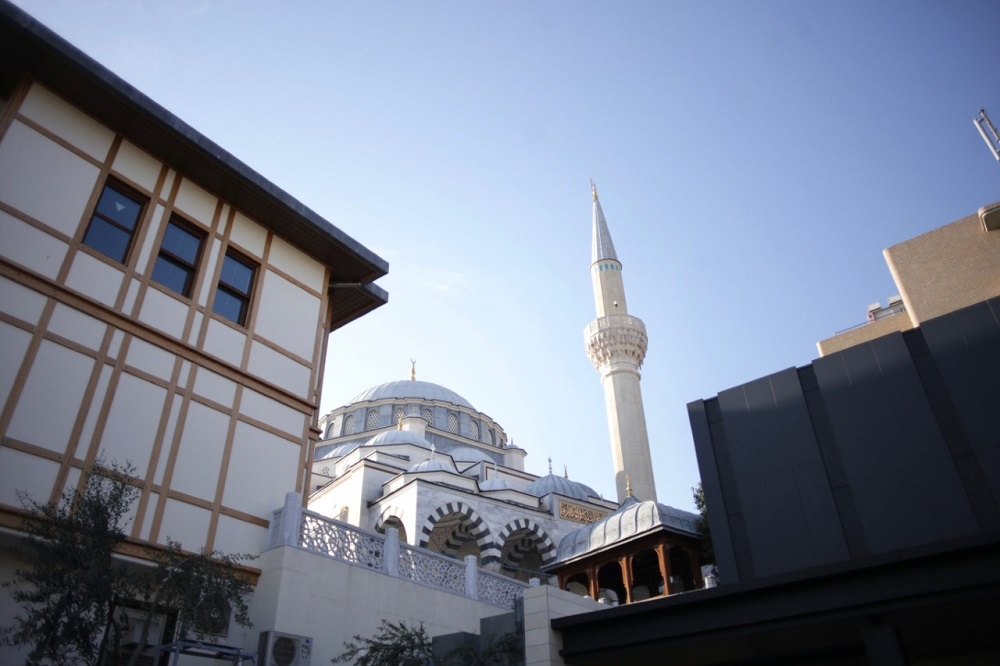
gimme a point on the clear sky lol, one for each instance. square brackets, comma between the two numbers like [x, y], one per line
[752, 158]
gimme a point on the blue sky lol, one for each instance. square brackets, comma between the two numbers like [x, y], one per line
[753, 159]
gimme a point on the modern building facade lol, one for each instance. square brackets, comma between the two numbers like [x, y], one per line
[938, 272]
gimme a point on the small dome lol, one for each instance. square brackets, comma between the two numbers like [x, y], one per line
[434, 465]
[412, 389]
[398, 437]
[338, 451]
[469, 454]
[631, 519]
[557, 484]
[493, 483]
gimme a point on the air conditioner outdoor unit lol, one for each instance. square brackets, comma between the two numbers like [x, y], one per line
[281, 649]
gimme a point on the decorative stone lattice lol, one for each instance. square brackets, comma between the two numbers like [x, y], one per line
[349, 424]
[342, 542]
[499, 590]
[474, 431]
[452, 422]
[427, 415]
[397, 415]
[371, 421]
[616, 339]
[431, 569]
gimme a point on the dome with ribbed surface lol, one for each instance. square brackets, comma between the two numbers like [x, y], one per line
[434, 465]
[493, 483]
[557, 484]
[412, 389]
[633, 518]
[398, 437]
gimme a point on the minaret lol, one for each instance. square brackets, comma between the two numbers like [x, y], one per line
[616, 344]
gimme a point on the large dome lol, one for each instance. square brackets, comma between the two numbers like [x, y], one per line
[557, 484]
[411, 388]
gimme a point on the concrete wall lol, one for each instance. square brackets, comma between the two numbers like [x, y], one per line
[887, 445]
[542, 604]
[303, 592]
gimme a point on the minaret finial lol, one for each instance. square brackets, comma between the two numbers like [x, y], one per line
[433, 451]
[628, 485]
[593, 189]
[550, 464]
[413, 370]
[565, 472]
[399, 423]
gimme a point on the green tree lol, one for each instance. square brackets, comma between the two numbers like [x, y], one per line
[707, 551]
[401, 645]
[69, 589]
[67, 593]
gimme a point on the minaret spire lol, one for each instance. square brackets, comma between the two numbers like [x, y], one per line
[616, 343]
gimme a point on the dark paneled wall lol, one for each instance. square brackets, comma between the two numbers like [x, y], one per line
[887, 445]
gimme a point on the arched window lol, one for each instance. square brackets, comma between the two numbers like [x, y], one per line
[493, 437]
[371, 421]
[397, 415]
[452, 422]
[427, 415]
[349, 424]
[474, 430]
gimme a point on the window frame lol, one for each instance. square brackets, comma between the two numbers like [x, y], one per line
[176, 260]
[96, 215]
[234, 292]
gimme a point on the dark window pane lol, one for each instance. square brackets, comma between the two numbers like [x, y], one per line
[181, 243]
[108, 239]
[172, 275]
[236, 274]
[228, 306]
[116, 206]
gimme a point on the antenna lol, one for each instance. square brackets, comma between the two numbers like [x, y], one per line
[992, 139]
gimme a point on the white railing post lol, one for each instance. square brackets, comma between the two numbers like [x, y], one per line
[471, 577]
[291, 520]
[391, 551]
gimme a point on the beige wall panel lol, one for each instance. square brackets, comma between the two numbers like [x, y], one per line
[225, 342]
[57, 380]
[185, 523]
[67, 122]
[43, 179]
[277, 369]
[27, 473]
[287, 315]
[144, 263]
[96, 279]
[150, 358]
[147, 523]
[30, 247]
[199, 459]
[212, 256]
[136, 165]
[168, 441]
[13, 345]
[164, 312]
[133, 420]
[297, 263]
[238, 536]
[262, 468]
[273, 413]
[195, 202]
[215, 387]
[248, 235]
[90, 421]
[77, 326]
[21, 302]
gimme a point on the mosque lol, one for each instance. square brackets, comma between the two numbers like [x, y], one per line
[420, 458]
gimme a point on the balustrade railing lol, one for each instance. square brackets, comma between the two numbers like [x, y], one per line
[294, 526]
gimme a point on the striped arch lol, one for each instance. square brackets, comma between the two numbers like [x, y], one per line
[524, 534]
[390, 513]
[470, 524]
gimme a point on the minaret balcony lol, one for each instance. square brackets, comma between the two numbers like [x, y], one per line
[616, 338]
